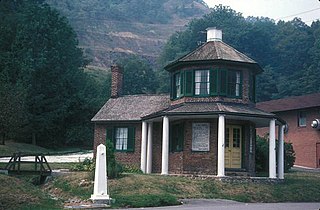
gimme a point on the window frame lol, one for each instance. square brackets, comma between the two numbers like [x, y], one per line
[111, 133]
[218, 83]
[176, 141]
[236, 84]
[302, 119]
[207, 83]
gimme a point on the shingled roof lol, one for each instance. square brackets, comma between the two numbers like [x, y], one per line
[131, 107]
[291, 103]
[215, 51]
[201, 108]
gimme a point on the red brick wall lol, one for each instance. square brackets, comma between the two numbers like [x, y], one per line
[303, 139]
[186, 161]
[125, 158]
[200, 162]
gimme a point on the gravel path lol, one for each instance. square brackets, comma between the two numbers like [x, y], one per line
[65, 158]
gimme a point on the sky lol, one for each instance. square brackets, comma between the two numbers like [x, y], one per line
[307, 10]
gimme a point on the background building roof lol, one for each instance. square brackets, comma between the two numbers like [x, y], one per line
[290, 103]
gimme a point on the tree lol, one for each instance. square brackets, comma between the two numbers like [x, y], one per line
[41, 56]
[139, 77]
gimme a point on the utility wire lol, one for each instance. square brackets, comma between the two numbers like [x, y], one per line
[298, 14]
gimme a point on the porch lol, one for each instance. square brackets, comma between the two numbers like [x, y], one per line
[234, 136]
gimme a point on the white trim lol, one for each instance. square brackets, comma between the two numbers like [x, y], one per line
[144, 147]
[272, 149]
[149, 149]
[165, 146]
[221, 140]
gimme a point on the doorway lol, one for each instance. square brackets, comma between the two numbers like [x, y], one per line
[233, 141]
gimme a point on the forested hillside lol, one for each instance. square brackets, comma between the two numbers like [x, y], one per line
[110, 29]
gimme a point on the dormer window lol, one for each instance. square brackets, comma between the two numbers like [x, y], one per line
[178, 85]
[177, 79]
[202, 83]
[207, 82]
[234, 83]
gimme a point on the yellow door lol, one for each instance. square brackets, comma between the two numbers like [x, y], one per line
[233, 146]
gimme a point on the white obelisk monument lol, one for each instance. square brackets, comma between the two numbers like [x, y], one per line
[100, 191]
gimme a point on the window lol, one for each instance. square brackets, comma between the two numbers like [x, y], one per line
[177, 79]
[202, 82]
[123, 138]
[221, 82]
[302, 119]
[177, 137]
[234, 83]
[200, 137]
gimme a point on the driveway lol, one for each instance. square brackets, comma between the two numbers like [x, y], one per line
[219, 204]
[65, 158]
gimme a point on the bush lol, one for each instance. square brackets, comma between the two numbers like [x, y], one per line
[87, 165]
[262, 155]
[132, 169]
[114, 169]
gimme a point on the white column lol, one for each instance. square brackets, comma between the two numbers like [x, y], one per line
[281, 153]
[165, 146]
[272, 149]
[144, 147]
[149, 149]
[221, 140]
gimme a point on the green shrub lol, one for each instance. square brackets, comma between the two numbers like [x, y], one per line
[87, 165]
[262, 155]
[132, 169]
[114, 169]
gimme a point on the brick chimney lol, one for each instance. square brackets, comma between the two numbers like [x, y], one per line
[116, 81]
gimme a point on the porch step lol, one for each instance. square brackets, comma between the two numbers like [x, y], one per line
[237, 173]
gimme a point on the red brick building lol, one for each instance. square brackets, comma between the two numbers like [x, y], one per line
[301, 114]
[205, 126]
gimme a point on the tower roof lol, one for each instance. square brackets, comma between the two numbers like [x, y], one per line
[214, 51]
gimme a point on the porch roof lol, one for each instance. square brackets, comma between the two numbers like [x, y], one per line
[211, 108]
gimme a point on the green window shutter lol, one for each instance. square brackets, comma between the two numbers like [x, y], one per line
[252, 88]
[172, 87]
[213, 82]
[189, 83]
[182, 83]
[241, 79]
[181, 136]
[109, 135]
[223, 82]
[131, 139]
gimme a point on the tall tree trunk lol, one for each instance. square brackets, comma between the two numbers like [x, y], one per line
[34, 139]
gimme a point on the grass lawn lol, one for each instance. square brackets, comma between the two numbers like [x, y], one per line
[138, 190]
